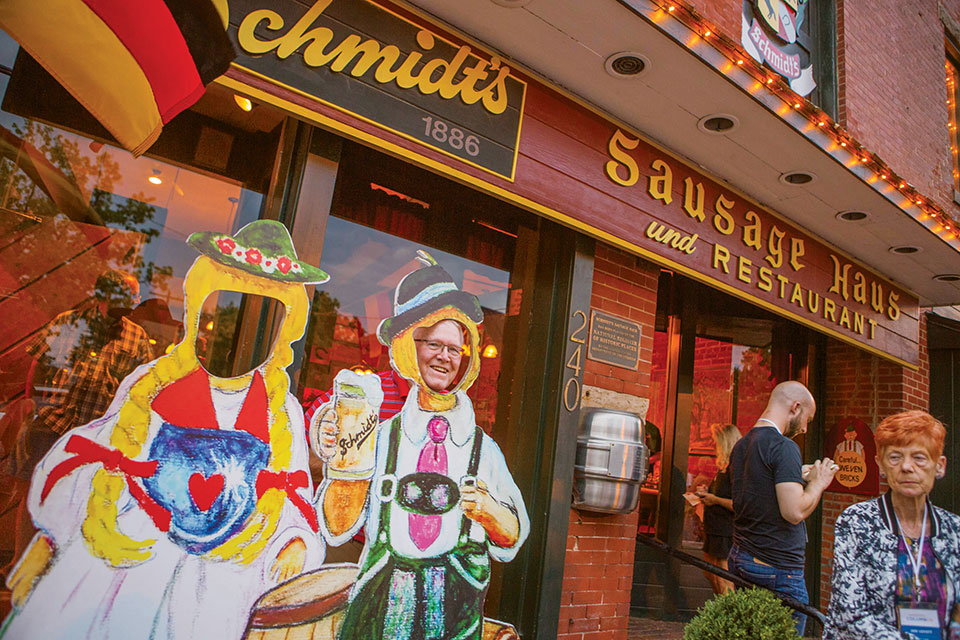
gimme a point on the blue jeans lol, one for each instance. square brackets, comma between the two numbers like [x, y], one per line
[789, 583]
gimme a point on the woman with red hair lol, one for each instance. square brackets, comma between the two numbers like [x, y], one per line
[897, 558]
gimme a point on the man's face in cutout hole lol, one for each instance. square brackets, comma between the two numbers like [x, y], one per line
[439, 354]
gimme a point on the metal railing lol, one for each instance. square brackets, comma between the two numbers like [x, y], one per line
[793, 603]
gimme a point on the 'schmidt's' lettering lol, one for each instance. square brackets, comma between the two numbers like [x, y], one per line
[436, 76]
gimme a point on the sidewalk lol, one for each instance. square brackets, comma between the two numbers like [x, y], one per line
[648, 629]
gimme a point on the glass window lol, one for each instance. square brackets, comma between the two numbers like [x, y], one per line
[383, 213]
[797, 41]
[8, 51]
[732, 372]
[819, 36]
[93, 256]
[732, 380]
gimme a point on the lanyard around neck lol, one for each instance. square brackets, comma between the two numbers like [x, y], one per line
[914, 562]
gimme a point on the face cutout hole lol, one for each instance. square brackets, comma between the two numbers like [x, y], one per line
[443, 354]
[222, 347]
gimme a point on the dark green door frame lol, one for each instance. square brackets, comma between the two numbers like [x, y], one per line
[943, 342]
[682, 338]
[544, 416]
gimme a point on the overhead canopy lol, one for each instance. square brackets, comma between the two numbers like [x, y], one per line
[567, 42]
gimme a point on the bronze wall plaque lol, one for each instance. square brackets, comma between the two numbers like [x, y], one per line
[614, 340]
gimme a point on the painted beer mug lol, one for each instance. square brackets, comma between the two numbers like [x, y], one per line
[356, 402]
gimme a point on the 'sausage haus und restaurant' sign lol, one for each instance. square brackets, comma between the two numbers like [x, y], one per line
[382, 73]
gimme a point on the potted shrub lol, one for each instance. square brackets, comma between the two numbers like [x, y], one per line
[744, 614]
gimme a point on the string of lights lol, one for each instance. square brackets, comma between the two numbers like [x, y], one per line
[878, 173]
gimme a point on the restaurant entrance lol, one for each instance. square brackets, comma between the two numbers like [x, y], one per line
[362, 216]
[715, 361]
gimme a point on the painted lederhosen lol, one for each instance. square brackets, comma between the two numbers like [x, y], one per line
[439, 598]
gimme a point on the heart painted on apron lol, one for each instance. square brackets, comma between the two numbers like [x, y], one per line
[205, 490]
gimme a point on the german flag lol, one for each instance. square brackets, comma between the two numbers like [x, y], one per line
[133, 64]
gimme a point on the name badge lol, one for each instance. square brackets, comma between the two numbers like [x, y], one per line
[921, 620]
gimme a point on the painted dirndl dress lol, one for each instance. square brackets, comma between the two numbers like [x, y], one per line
[202, 468]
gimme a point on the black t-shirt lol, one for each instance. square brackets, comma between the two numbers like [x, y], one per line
[759, 461]
[718, 520]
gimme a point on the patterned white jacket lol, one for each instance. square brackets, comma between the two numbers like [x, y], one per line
[862, 605]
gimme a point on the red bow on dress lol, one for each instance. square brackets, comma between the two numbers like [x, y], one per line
[87, 451]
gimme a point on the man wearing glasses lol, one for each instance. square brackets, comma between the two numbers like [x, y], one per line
[441, 502]
[439, 351]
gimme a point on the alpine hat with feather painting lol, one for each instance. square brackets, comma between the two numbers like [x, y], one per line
[422, 292]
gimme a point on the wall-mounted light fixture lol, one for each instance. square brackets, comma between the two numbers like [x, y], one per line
[242, 102]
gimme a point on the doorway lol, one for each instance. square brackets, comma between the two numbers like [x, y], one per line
[715, 361]
[363, 216]
[943, 340]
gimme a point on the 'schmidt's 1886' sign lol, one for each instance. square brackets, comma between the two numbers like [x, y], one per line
[362, 59]
[775, 33]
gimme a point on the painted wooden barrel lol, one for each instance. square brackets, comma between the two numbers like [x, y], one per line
[310, 606]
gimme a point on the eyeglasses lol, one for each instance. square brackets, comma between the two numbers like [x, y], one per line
[433, 347]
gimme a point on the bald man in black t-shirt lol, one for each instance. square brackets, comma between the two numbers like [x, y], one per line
[770, 501]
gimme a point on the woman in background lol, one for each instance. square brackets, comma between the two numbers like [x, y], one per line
[718, 508]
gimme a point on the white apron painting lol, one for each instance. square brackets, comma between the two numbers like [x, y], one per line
[430, 489]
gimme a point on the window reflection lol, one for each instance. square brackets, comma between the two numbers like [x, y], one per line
[382, 213]
[953, 91]
[78, 361]
[219, 333]
[365, 266]
[92, 260]
[731, 384]
[733, 374]
[8, 50]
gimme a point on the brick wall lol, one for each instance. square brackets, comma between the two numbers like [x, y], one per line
[598, 569]
[725, 16]
[841, 66]
[893, 62]
[869, 388]
[890, 59]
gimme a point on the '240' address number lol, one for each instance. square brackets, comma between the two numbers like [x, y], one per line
[453, 137]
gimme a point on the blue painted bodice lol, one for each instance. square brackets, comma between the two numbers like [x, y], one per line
[236, 456]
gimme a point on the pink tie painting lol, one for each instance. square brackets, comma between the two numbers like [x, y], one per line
[424, 529]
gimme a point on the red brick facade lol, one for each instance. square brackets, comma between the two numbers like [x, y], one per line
[725, 16]
[866, 387]
[595, 604]
[896, 50]
[600, 549]
[892, 50]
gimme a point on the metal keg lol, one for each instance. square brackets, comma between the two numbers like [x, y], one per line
[611, 461]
